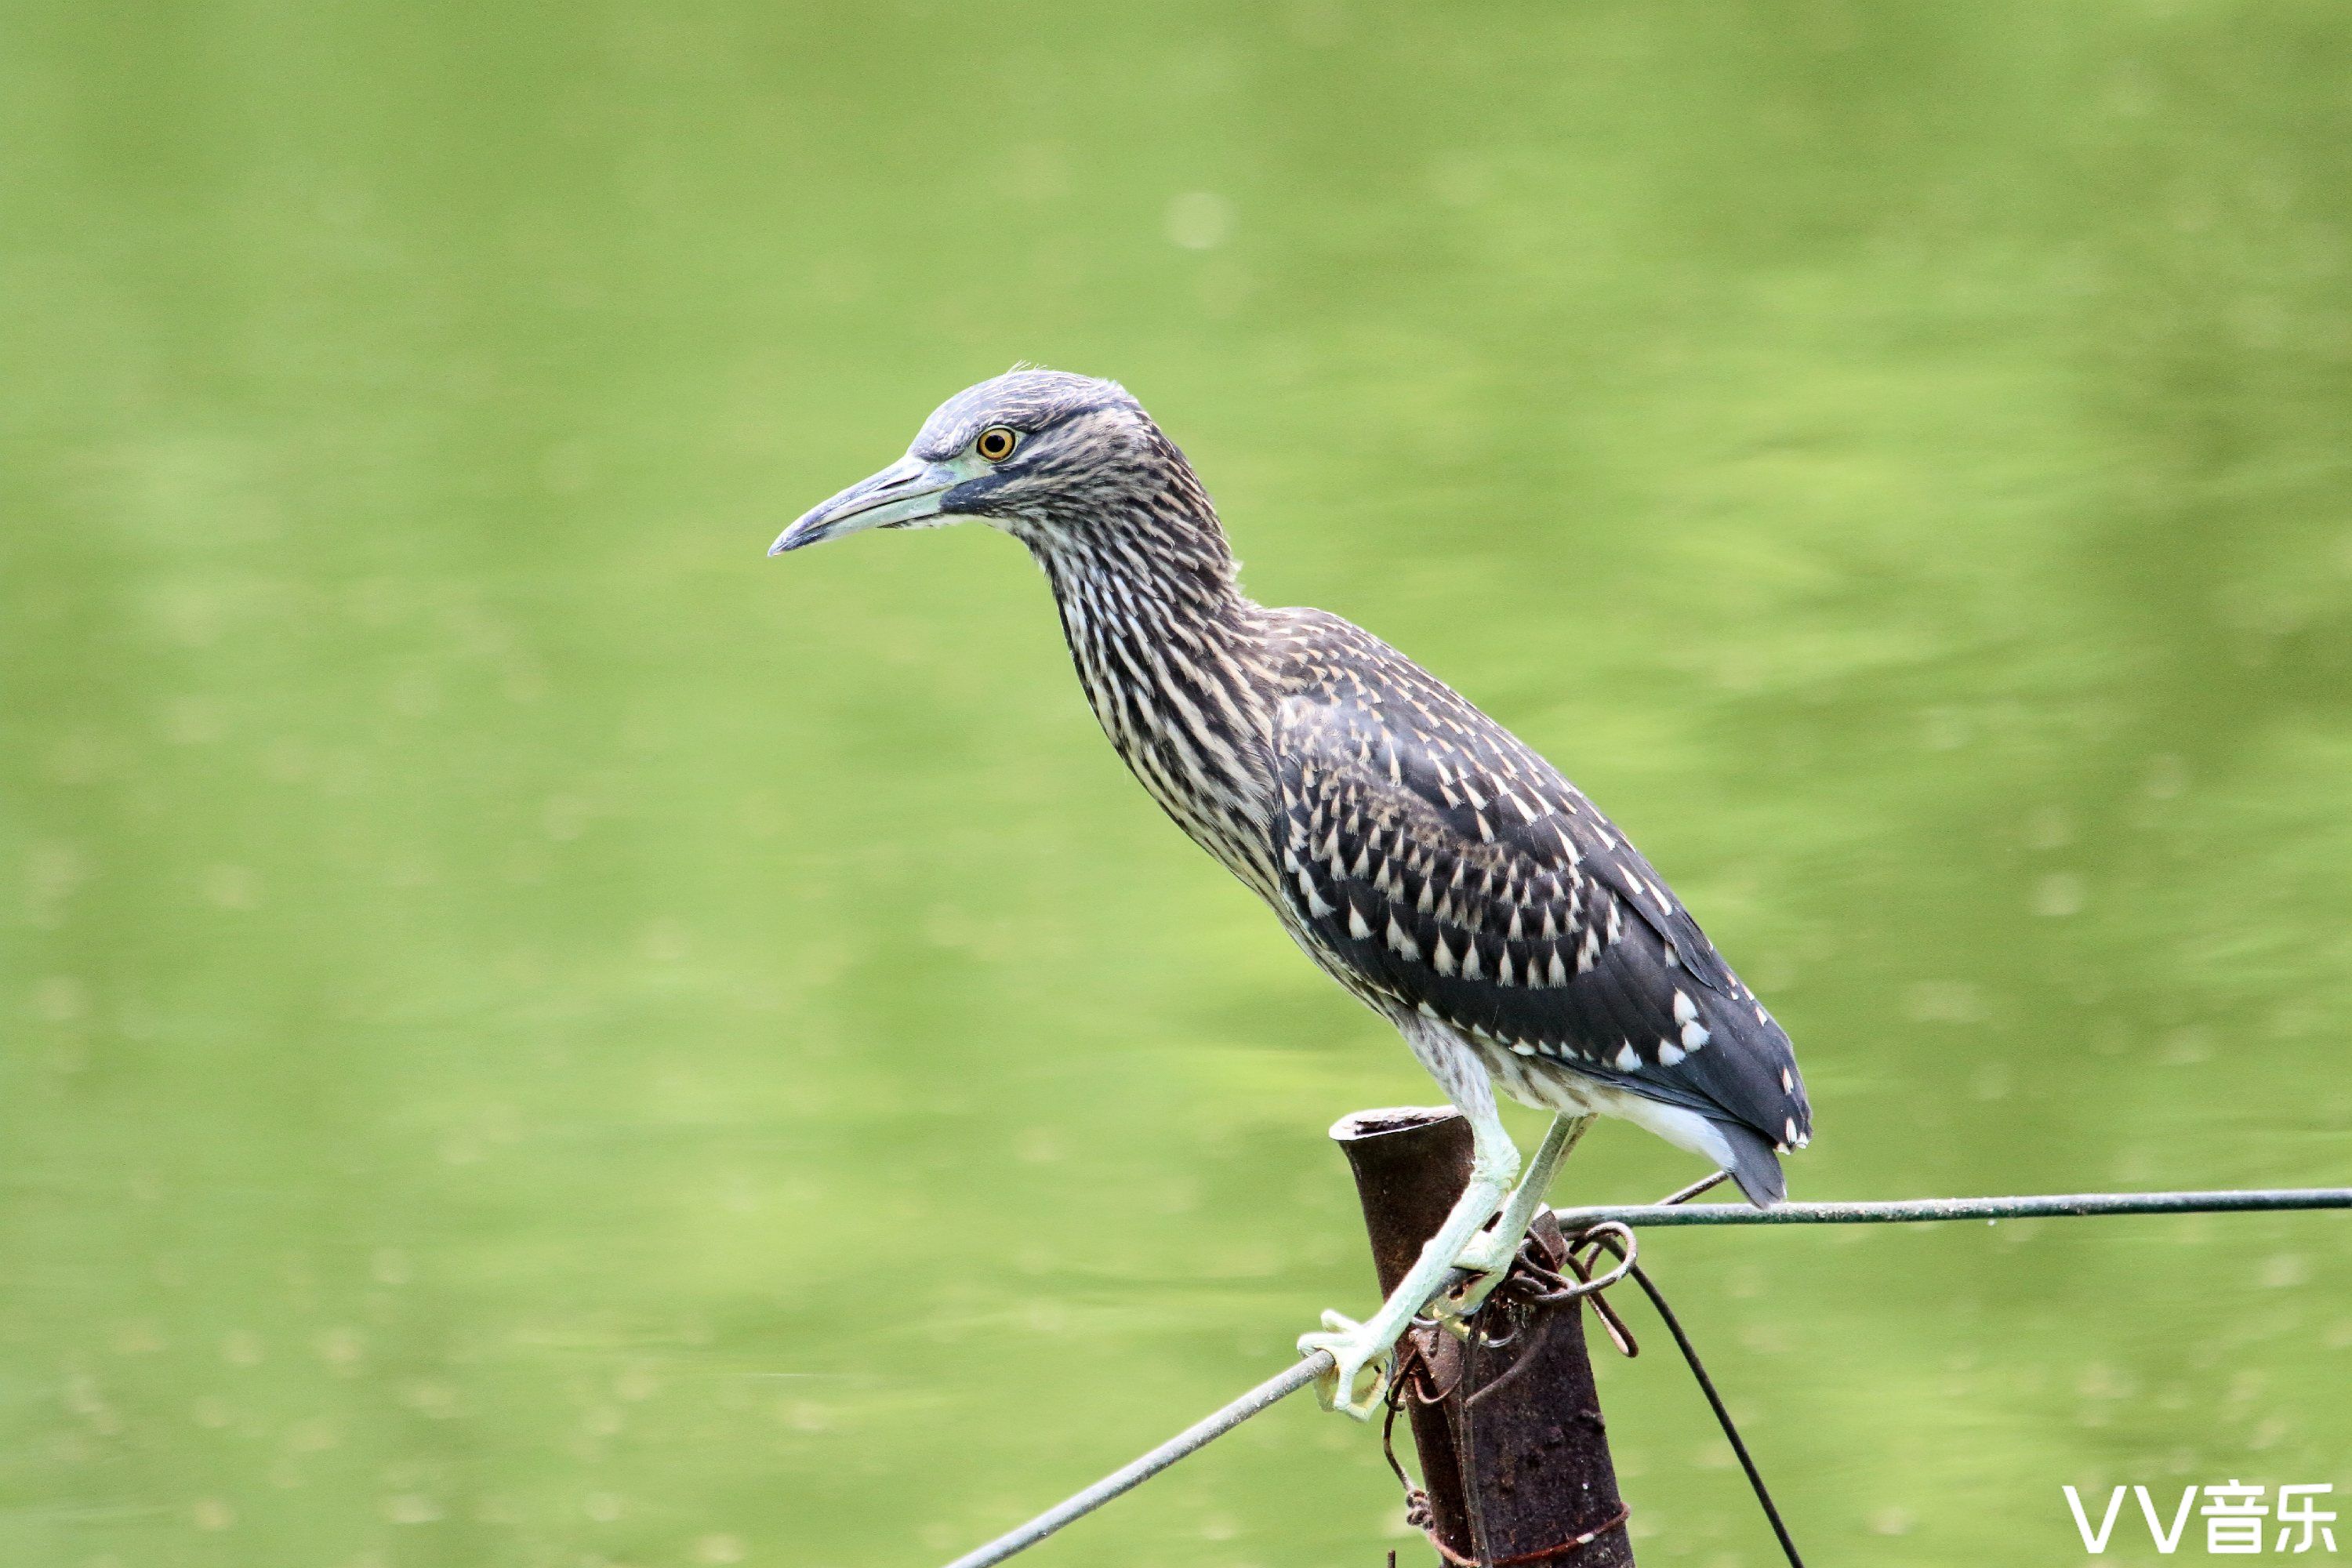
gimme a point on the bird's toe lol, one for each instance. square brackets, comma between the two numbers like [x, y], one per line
[1354, 1352]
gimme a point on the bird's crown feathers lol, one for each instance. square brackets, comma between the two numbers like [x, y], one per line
[1026, 398]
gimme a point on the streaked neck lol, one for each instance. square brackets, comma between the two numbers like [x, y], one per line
[1169, 653]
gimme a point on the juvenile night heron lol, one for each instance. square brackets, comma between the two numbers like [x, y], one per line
[1420, 853]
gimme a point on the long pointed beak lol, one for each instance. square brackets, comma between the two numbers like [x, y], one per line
[907, 491]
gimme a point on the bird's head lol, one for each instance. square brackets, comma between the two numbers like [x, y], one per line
[1042, 454]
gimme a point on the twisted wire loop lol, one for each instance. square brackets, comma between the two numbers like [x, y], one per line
[1551, 1283]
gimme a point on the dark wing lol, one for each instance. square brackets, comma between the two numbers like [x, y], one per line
[1457, 873]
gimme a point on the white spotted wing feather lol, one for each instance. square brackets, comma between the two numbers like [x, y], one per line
[1445, 868]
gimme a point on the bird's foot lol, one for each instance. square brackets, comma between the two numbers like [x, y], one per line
[1356, 1348]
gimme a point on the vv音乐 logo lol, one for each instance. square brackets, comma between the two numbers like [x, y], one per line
[2237, 1519]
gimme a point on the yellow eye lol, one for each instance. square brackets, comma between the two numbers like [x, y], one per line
[996, 442]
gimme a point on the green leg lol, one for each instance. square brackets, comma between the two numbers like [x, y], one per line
[1355, 1346]
[1491, 1251]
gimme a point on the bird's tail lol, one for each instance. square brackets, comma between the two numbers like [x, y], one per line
[1753, 1165]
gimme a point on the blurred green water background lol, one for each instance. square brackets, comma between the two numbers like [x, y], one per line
[531, 1035]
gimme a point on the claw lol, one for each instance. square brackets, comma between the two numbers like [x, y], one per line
[1353, 1349]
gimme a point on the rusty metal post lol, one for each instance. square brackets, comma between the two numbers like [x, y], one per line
[1513, 1457]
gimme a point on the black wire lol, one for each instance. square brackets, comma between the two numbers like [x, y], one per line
[1723, 1417]
[1695, 1189]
